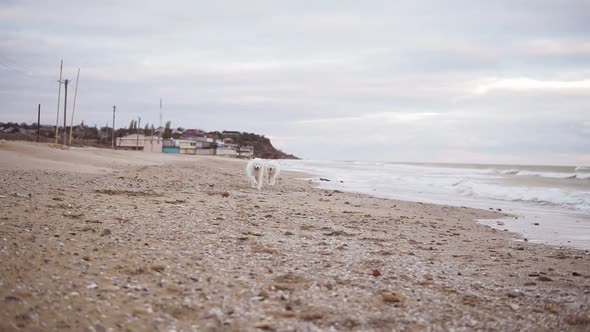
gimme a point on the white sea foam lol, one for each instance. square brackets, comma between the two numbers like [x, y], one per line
[566, 187]
[561, 197]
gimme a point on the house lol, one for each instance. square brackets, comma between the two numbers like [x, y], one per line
[226, 150]
[182, 146]
[234, 150]
[169, 146]
[140, 142]
[187, 146]
[245, 151]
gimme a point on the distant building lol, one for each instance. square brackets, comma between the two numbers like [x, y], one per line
[169, 146]
[183, 146]
[187, 146]
[193, 133]
[140, 143]
[246, 151]
[171, 149]
[27, 131]
[230, 133]
[226, 150]
[234, 150]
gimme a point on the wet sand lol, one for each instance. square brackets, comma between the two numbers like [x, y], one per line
[104, 240]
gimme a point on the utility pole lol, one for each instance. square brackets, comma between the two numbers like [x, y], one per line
[151, 140]
[58, 100]
[65, 142]
[114, 107]
[38, 121]
[138, 126]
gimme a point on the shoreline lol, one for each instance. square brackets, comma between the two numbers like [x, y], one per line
[550, 225]
[110, 239]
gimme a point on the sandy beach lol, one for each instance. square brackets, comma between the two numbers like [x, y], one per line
[101, 240]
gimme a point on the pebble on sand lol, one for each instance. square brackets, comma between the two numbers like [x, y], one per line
[393, 297]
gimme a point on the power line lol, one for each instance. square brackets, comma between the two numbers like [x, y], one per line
[11, 65]
[8, 62]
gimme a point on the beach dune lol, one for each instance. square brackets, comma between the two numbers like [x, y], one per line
[95, 239]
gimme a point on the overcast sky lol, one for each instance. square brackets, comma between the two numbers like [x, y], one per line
[442, 81]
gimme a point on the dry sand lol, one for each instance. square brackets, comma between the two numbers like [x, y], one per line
[103, 240]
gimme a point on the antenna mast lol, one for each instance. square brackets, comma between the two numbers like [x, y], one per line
[74, 108]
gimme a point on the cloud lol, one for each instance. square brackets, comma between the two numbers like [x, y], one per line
[389, 117]
[371, 80]
[557, 47]
[528, 84]
[329, 22]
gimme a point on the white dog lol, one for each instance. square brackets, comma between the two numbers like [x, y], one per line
[273, 169]
[255, 172]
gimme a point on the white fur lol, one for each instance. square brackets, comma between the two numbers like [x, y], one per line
[255, 172]
[273, 169]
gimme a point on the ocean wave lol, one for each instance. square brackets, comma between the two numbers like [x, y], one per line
[577, 200]
[580, 172]
[554, 175]
[446, 184]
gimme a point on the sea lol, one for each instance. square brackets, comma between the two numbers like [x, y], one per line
[546, 204]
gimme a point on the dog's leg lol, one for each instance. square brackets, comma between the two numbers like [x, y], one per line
[260, 176]
[253, 182]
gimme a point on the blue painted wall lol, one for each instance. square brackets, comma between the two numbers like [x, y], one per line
[171, 149]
